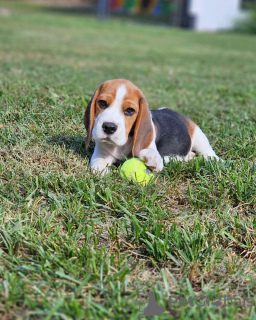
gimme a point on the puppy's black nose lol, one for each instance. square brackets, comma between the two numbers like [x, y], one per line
[109, 127]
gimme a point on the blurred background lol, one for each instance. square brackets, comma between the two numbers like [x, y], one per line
[74, 45]
[200, 15]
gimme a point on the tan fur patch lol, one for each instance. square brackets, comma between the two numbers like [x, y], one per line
[191, 127]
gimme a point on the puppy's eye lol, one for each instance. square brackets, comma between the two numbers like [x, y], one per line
[129, 112]
[103, 104]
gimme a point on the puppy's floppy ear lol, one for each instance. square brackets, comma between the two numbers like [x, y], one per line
[143, 131]
[89, 116]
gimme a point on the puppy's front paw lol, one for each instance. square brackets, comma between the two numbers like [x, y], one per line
[100, 166]
[152, 159]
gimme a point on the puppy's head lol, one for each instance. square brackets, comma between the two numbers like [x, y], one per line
[117, 110]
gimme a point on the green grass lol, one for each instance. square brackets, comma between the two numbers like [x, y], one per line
[74, 245]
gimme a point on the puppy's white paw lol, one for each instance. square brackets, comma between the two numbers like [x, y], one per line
[189, 156]
[100, 166]
[152, 159]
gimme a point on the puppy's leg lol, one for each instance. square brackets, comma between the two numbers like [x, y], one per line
[201, 144]
[101, 159]
[152, 159]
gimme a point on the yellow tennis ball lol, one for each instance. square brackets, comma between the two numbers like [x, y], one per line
[136, 170]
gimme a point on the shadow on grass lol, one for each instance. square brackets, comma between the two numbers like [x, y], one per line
[73, 143]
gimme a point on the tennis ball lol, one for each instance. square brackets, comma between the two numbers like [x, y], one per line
[136, 170]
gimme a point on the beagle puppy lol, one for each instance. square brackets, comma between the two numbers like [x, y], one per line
[120, 122]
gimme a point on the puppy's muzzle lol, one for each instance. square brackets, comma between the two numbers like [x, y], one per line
[109, 127]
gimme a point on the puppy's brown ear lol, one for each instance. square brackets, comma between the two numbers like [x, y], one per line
[143, 132]
[89, 116]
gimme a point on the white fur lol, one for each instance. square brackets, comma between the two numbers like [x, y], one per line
[201, 145]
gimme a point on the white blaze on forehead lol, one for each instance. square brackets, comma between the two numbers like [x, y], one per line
[120, 94]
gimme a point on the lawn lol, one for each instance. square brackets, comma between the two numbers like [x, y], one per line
[74, 245]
